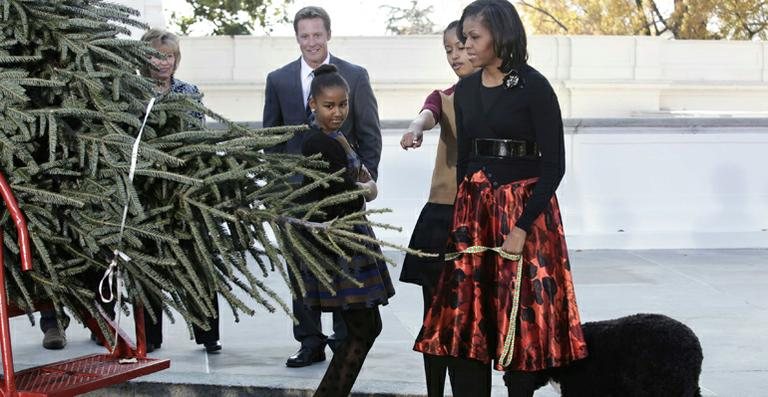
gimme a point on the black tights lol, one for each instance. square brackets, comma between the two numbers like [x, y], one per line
[363, 326]
[469, 378]
[434, 366]
[520, 383]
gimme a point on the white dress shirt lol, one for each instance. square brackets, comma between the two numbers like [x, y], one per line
[307, 75]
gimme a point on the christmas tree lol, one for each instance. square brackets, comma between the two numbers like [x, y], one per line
[202, 200]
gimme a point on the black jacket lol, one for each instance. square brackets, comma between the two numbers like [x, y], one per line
[284, 105]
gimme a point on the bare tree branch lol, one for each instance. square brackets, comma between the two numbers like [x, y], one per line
[545, 12]
[647, 24]
[662, 20]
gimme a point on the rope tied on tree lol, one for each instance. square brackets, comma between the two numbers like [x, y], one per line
[113, 271]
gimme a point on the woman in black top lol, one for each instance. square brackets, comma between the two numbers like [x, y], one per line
[431, 230]
[515, 306]
[359, 303]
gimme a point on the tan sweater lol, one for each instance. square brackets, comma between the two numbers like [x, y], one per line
[443, 188]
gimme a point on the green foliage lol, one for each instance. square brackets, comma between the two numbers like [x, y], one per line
[203, 203]
[406, 21]
[233, 17]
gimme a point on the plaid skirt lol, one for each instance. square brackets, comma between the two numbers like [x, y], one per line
[376, 286]
[470, 314]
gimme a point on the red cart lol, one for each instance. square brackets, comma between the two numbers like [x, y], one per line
[77, 375]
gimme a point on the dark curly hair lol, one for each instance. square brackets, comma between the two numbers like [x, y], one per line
[327, 76]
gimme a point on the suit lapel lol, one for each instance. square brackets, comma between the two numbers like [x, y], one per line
[346, 127]
[294, 88]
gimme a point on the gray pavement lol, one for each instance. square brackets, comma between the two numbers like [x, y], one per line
[721, 294]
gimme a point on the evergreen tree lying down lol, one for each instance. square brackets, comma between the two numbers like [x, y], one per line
[202, 201]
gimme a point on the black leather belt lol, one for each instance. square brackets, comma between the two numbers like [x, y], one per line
[504, 148]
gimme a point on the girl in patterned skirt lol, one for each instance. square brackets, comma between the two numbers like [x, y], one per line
[514, 306]
[359, 304]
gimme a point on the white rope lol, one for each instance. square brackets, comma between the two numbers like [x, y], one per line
[113, 271]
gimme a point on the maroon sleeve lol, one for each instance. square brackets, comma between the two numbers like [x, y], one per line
[434, 104]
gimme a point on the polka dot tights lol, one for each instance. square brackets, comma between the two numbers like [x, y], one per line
[363, 326]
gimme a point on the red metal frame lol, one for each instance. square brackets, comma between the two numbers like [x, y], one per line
[74, 376]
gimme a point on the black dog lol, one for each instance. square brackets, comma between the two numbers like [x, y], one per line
[643, 355]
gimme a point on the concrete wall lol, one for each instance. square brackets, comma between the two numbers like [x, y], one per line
[648, 181]
[630, 183]
[595, 76]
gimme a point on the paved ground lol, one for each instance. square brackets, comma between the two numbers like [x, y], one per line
[721, 294]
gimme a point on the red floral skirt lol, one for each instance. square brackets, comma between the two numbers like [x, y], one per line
[470, 313]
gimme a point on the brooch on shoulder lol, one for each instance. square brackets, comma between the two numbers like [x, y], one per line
[512, 80]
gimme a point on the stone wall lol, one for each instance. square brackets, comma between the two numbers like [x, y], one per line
[595, 76]
[629, 183]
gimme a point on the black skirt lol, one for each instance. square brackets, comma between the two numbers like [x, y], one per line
[429, 235]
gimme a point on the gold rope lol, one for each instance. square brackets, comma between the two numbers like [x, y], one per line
[476, 249]
[509, 342]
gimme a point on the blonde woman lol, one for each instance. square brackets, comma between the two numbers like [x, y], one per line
[162, 72]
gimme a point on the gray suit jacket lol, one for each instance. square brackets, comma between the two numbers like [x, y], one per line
[284, 105]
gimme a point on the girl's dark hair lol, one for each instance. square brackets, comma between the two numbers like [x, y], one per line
[501, 18]
[450, 26]
[327, 76]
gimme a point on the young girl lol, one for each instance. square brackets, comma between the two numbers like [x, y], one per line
[515, 306]
[359, 305]
[431, 231]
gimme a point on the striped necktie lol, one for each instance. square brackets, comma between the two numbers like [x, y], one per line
[307, 110]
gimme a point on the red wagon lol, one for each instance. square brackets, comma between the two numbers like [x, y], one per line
[77, 375]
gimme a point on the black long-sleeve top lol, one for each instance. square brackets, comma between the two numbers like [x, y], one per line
[331, 151]
[528, 112]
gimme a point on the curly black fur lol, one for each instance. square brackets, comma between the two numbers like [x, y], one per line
[643, 355]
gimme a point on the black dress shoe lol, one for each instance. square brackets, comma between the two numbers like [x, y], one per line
[212, 347]
[306, 356]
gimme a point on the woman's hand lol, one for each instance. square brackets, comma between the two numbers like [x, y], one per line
[412, 138]
[515, 241]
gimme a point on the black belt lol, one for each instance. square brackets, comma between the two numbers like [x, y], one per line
[504, 148]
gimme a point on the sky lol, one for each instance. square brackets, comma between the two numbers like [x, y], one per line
[349, 17]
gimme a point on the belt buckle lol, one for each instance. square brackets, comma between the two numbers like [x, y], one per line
[502, 149]
[522, 150]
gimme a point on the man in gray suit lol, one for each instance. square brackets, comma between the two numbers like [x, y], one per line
[287, 96]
